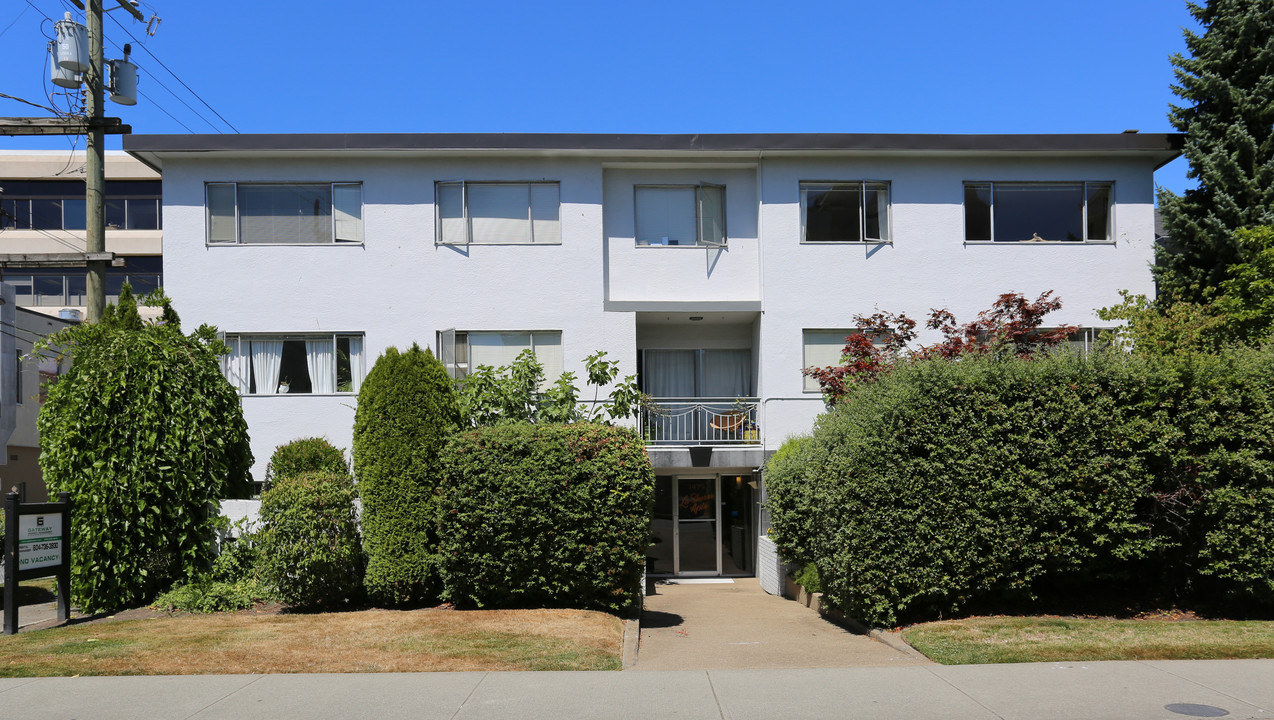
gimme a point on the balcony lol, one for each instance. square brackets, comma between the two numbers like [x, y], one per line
[701, 421]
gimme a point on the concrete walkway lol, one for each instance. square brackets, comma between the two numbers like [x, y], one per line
[1088, 691]
[739, 626]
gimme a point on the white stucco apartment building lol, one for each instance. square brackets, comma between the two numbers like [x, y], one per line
[714, 267]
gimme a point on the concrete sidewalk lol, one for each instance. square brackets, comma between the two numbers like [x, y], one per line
[735, 625]
[1115, 690]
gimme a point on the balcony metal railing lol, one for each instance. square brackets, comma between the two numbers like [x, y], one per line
[701, 421]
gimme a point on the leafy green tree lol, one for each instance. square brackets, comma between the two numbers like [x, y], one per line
[1247, 302]
[1228, 83]
[513, 393]
[407, 411]
[146, 435]
[303, 455]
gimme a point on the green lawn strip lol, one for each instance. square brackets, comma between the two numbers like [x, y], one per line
[1034, 639]
[529, 652]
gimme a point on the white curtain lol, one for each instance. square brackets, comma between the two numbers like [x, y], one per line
[320, 359]
[266, 356]
[238, 365]
[356, 361]
[496, 349]
[726, 374]
[347, 212]
[499, 213]
[669, 373]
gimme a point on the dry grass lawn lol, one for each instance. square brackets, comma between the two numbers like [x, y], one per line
[366, 641]
[1049, 639]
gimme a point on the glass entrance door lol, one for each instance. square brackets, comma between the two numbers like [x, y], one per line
[698, 532]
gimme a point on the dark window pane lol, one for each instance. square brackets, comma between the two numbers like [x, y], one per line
[344, 376]
[133, 188]
[832, 214]
[977, 211]
[17, 214]
[46, 214]
[293, 368]
[1098, 212]
[73, 214]
[115, 214]
[143, 214]
[75, 289]
[1033, 213]
[44, 188]
[143, 284]
[152, 264]
[48, 290]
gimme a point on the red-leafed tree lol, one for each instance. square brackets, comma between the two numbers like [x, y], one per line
[1010, 325]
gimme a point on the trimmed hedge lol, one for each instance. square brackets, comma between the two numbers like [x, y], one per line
[545, 516]
[988, 483]
[302, 455]
[407, 409]
[309, 546]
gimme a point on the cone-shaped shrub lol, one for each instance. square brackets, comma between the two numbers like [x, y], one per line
[407, 410]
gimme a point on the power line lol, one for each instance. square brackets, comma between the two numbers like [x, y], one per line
[170, 72]
[15, 22]
[161, 109]
[170, 92]
[28, 102]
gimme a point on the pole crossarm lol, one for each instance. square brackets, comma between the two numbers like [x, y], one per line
[62, 126]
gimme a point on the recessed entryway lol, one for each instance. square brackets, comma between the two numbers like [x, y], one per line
[703, 525]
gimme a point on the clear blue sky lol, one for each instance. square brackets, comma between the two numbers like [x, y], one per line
[914, 66]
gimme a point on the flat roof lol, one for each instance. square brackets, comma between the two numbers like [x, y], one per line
[1163, 147]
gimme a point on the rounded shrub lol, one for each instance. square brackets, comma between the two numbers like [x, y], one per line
[407, 410]
[545, 516]
[302, 455]
[308, 545]
[990, 483]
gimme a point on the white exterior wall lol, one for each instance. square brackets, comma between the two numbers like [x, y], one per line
[399, 287]
[812, 286]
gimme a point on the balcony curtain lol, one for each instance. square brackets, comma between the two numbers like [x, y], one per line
[669, 373]
[726, 374]
[266, 357]
[320, 360]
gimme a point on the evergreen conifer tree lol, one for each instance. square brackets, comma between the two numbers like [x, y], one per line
[1228, 81]
[407, 410]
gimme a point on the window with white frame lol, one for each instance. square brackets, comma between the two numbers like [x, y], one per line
[824, 348]
[1084, 340]
[680, 215]
[304, 363]
[845, 212]
[1038, 211]
[461, 352]
[498, 213]
[284, 213]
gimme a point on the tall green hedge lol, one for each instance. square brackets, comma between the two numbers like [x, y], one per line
[146, 435]
[986, 483]
[407, 410]
[545, 516]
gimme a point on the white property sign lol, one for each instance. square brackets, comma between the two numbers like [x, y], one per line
[39, 541]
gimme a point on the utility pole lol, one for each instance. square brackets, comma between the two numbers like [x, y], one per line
[95, 127]
[95, 181]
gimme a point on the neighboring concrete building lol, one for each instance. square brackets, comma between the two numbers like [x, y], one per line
[713, 267]
[30, 374]
[42, 218]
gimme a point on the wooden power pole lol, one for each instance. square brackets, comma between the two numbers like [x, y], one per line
[95, 127]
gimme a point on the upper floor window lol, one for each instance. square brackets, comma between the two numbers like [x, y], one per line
[845, 212]
[60, 205]
[1038, 211]
[462, 352]
[285, 213]
[498, 213]
[681, 215]
[304, 363]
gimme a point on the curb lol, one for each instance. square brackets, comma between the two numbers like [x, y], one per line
[814, 601]
[632, 638]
